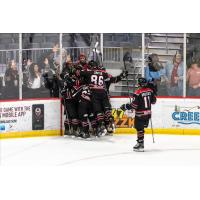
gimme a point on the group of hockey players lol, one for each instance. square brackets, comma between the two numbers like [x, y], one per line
[84, 88]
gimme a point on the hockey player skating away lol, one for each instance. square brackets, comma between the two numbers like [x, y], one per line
[142, 100]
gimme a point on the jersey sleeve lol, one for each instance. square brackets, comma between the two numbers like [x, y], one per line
[153, 98]
[115, 79]
[134, 103]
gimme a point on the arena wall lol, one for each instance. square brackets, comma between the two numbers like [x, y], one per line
[44, 117]
[29, 118]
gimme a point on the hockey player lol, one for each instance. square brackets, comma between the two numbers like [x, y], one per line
[82, 95]
[108, 82]
[85, 111]
[69, 85]
[95, 78]
[142, 100]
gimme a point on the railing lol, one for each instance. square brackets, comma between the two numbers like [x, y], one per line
[111, 55]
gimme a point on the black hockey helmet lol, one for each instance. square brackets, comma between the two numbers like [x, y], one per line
[78, 67]
[142, 82]
[93, 65]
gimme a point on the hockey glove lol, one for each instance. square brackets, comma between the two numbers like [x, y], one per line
[124, 74]
[123, 107]
[126, 107]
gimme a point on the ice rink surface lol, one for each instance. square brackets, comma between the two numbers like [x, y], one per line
[108, 150]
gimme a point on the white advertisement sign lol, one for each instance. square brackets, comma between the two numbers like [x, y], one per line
[19, 116]
[16, 116]
[171, 113]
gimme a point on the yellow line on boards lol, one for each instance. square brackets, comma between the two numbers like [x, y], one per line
[117, 131]
[30, 134]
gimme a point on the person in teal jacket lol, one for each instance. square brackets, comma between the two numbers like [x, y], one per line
[153, 71]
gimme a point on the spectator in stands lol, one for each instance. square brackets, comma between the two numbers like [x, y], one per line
[153, 72]
[35, 79]
[11, 81]
[67, 66]
[82, 61]
[51, 55]
[193, 78]
[26, 72]
[173, 74]
[50, 79]
[47, 66]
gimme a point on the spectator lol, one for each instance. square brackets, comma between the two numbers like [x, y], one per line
[50, 79]
[67, 66]
[35, 80]
[51, 55]
[11, 81]
[193, 79]
[173, 74]
[82, 61]
[153, 72]
[26, 72]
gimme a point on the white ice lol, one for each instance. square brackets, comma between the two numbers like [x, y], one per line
[108, 150]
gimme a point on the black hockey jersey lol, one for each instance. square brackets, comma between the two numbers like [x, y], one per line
[142, 100]
[82, 93]
[96, 79]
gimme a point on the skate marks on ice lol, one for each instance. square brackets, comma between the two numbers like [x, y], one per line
[107, 150]
[94, 157]
[131, 152]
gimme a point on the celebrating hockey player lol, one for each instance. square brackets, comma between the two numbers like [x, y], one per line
[95, 78]
[69, 85]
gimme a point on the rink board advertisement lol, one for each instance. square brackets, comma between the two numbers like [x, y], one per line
[175, 113]
[43, 117]
[123, 119]
[30, 117]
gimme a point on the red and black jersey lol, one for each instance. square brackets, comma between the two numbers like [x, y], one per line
[96, 79]
[84, 66]
[82, 94]
[142, 100]
[70, 85]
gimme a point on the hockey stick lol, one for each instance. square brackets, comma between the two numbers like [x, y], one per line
[152, 131]
[127, 58]
[67, 116]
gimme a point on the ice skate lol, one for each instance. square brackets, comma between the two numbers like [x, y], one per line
[110, 129]
[139, 147]
[85, 135]
[67, 132]
[98, 132]
[103, 130]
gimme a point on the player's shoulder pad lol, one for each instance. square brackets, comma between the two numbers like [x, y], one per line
[139, 91]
